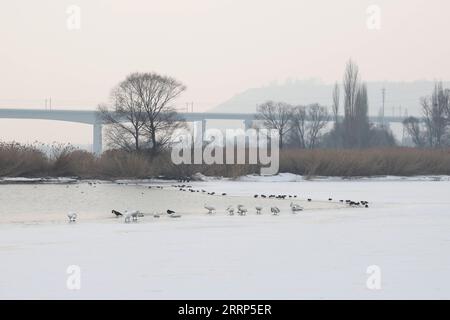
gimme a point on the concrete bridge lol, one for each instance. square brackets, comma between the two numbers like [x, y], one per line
[92, 117]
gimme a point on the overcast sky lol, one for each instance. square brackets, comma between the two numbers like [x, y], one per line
[216, 47]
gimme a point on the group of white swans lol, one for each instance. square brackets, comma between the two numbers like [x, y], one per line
[130, 216]
[242, 211]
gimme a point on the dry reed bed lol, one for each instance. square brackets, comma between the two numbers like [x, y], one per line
[27, 161]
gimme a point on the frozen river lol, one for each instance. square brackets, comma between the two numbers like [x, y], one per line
[93, 201]
[321, 253]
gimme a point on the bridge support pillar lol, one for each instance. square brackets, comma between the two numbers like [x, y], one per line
[98, 139]
[248, 124]
[200, 129]
[203, 128]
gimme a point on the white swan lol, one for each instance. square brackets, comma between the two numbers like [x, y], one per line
[210, 209]
[295, 207]
[241, 210]
[131, 215]
[275, 210]
[72, 216]
[230, 210]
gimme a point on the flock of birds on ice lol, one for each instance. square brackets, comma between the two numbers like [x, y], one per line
[241, 210]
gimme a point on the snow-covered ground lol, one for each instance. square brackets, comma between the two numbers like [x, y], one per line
[322, 253]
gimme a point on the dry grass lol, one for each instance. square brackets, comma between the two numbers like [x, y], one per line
[366, 162]
[19, 160]
[28, 161]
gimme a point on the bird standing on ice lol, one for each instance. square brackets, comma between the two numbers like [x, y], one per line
[275, 210]
[295, 207]
[172, 214]
[241, 210]
[230, 210]
[258, 210]
[117, 213]
[210, 209]
[72, 216]
[131, 215]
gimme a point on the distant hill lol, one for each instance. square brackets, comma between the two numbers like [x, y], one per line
[399, 96]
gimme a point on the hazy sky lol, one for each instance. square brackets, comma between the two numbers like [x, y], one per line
[216, 47]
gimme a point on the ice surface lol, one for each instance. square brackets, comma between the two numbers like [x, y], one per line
[321, 254]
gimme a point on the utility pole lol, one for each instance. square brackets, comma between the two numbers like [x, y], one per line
[383, 92]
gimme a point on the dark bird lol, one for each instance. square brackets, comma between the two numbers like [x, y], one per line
[309, 200]
[170, 211]
[117, 213]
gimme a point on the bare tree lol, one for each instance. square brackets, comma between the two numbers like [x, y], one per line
[157, 94]
[276, 115]
[351, 87]
[307, 124]
[435, 112]
[447, 108]
[318, 119]
[336, 98]
[361, 124]
[127, 118]
[356, 123]
[298, 127]
[412, 127]
[435, 109]
[142, 112]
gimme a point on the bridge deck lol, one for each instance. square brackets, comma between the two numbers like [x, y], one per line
[92, 116]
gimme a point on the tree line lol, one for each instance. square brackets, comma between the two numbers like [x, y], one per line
[141, 117]
[433, 129]
[306, 127]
